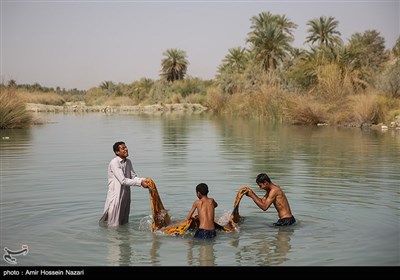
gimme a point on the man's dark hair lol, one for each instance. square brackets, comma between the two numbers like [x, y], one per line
[262, 178]
[202, 188]
[116, 146]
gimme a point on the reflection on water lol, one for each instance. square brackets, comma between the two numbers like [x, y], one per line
[265, 250]
[155, 246]
[14, 143]
[124, 247]
[342, 186]
[201, 252]
[119, 246]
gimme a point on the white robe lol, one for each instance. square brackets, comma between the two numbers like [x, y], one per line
[121, 176]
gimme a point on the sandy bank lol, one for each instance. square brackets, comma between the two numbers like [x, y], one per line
[151, 109]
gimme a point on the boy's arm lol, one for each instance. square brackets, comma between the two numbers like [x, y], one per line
[215, 204]
[192, 210]
[263, 203]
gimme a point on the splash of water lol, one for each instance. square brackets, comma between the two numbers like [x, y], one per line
[145, 223]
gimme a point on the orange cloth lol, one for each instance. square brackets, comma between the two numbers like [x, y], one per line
[234, 219]
[160, 215]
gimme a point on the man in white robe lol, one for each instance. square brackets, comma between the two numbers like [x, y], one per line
[121, 176]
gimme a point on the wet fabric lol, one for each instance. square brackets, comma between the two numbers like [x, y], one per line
[160, 216]
[161, 221]
[285, 222]
[234, 218]
[205, 233]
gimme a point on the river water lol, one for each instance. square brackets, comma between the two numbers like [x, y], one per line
[342, 184]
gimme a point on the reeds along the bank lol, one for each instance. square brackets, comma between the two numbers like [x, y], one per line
[13, 113]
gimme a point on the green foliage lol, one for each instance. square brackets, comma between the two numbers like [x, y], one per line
[302, 74]
[12, 83]
[142, 88]
[95, 96]
[163, 91]
[158, 92]
[390, 80]
[230, 81]
[187, 87]
[368, 49]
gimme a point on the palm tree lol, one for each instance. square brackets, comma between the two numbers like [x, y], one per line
[266, 18]
[174, 65]
[323, 31]
[270, 39]
[236, 60]
[106, 85]
[286, 25]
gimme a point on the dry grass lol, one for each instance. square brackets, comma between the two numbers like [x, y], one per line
[119, 101]
[215, 100]
[364, 108]
[388, 107]
[196, 98]
[12, 111]
[175, 98]
[331, 83]
[47, 98]
[268, 102]
[306, 110]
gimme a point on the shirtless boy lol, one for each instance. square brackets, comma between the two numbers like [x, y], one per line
[206, 211]
[274, 195]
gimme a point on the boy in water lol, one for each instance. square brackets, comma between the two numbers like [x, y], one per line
[206, 211]
[274, 195]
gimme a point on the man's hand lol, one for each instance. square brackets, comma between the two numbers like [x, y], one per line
[145, 183]
[249, 192]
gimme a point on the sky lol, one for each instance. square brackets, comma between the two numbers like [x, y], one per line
[80, 44]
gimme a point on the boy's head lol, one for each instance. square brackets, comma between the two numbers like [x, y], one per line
[202, 188]
[262, 178]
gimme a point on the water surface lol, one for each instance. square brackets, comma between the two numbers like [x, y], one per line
[342, 184]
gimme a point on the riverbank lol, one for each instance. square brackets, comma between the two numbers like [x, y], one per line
[183, 108]
[151, 109]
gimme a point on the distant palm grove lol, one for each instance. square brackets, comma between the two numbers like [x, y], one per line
[354, 83]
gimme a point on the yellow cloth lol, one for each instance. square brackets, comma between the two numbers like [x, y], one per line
[162, 221]
[181, 227]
